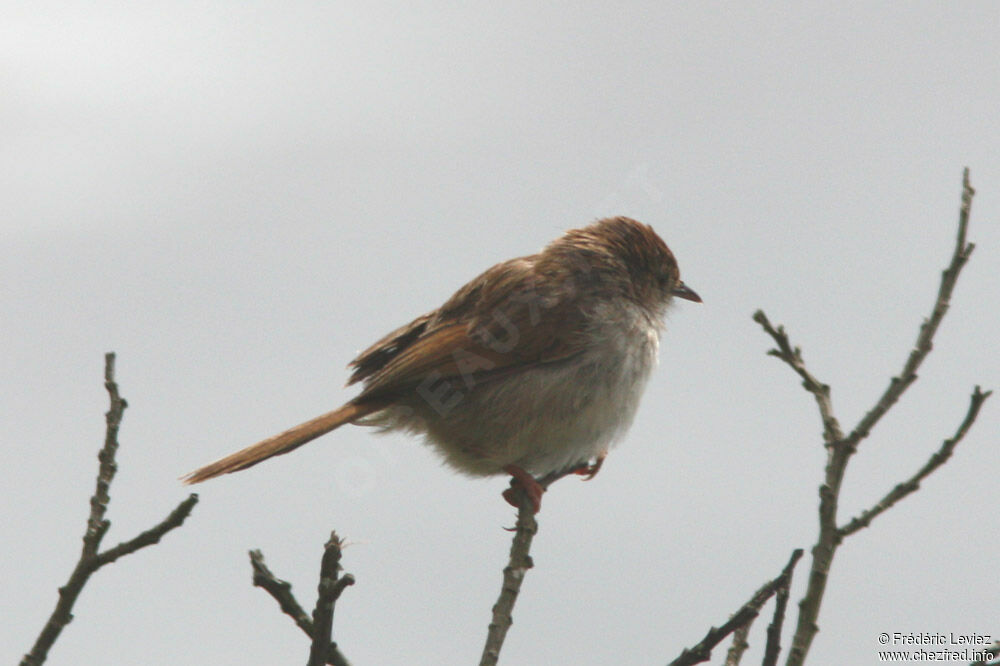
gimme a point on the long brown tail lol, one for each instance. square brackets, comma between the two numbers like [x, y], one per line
[284, 442]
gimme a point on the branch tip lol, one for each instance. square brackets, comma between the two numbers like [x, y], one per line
[97, 526]
[742, 617]
[830, 534]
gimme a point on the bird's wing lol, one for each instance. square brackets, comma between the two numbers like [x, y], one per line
[496, 324]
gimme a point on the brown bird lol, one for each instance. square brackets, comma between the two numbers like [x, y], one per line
[533, 368]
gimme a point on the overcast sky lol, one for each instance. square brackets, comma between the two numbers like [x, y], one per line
[237, 197]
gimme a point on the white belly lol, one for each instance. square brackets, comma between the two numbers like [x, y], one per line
[548, 418]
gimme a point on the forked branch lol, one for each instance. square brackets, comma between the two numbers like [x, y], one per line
[841, 448]
[91, 558]
[743, 617]
[318, 627]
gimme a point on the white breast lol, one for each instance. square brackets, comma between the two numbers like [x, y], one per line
[551, 417]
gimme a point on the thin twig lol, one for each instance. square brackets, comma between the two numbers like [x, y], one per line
[517, 566]
[925, 338]
[513, 575]
[912, 484]
[793, 357]
[838, 455]
[744, 616]
[840, 449]
[330, 588]
[773, 646]
[97, 526]
[738, 646]
[151, 536]
[281, 591]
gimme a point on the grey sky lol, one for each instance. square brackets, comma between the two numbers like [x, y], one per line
[237, 197]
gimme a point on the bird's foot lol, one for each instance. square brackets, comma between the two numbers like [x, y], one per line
[590, 470]
[521, 480]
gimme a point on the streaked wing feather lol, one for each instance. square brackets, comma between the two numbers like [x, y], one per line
[373, 359]
[487, 330]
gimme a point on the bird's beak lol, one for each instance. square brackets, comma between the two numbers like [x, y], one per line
[686, 292]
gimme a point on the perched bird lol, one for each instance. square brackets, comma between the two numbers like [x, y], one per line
[533, 368]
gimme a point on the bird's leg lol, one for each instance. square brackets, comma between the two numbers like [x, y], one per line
[528, 484]
[590, 470]
[535, 487]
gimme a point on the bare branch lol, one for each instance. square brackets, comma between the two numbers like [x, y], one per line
[281, 591]
[519, 561]
[743, 617]
[912, 484]
[793, 357]
[925, 338]
[840, 449]
[838, 454]
[152, 535]
[739, 645]
[773, 647]
[513, 574]
[97, 526]
[330, 588]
